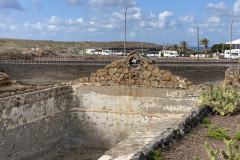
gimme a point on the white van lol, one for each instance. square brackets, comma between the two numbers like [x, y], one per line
[107, 52]
[169, 54]
[234, 54]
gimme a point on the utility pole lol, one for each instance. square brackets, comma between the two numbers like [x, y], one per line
[198, 41]
[126, 28]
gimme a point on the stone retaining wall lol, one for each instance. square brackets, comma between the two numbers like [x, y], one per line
[232, 76]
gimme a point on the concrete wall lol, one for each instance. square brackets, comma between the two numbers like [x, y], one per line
[111, 113]
[202, 73]
[34, 125]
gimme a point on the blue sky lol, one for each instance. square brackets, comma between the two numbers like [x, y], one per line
[157, 21]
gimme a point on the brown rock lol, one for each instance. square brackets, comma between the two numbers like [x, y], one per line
[155, 71]
[162, 71]
[154, 83]
[131, 81]
[163, 83]
[120, 70]
[108, 66]
[167, 76]
[120, 77]
[92, 79]
[117, 74]
[125, 70]
[169, 84]
[176, 84]
[94, 75]
[173, 79]
[112, 71]
[150, 67]
[146, 83]
[231, 76]
[227, 82]
[114, 64]
[188, 83]
[159, 77]
[112, 82]
[147, 74]
[124, 65]
[104, 82]
[126, 76]
[152, 78]
[141, 75]
[235, 80]
[182, 84]
[108, 78]
[123, 82]
[133, 70]
[145, 64]
[102, 72]
[85, 80]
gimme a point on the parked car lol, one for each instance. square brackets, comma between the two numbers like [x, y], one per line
[137, 61]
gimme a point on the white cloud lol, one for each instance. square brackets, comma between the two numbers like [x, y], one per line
[12, 27]
[188, 18]
[219, 9]
[236, 7]
[54, 20]
[214, 19]
[52, 27]
[163, 16]
[219, 6]
[2, 27]
[132, 34]
[38, 26]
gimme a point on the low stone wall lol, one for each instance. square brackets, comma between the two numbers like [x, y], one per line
[232, 76]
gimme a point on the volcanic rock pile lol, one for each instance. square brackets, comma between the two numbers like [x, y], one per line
[4, 79]
[122, 72]
[232, 76]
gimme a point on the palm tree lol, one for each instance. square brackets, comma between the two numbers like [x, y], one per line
[174, 47]
[184, 45]
[205, 42]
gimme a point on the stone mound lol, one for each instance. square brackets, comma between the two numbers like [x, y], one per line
[4, 79]
[122, 72]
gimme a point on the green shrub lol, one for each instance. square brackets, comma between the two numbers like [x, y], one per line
[210, 56]
[206, 122]
[229, 154]
[158, 154]
[212, 155]
[219, 133]
[222, 100]
[237, 135]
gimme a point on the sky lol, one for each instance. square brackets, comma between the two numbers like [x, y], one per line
[156, 21]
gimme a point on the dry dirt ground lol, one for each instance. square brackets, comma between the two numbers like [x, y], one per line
[194, 143]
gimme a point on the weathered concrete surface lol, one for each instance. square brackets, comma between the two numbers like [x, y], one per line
[137, 98]
[36, 124]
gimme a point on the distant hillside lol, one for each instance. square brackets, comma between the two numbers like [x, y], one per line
[24, 43]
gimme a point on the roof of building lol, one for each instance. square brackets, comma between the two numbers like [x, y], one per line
[234, 42]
